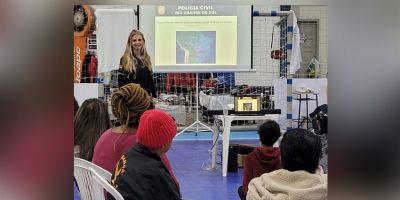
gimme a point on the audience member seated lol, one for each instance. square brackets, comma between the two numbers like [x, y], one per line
[140, 174]
[90, 121]
[128, 103]
[300, 177]
[320, 127]
[263, 159]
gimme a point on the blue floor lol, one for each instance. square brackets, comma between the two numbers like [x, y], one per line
[189, 153]
[206, 135]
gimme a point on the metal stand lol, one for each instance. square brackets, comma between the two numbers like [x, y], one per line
[197, 122]
[306, 99]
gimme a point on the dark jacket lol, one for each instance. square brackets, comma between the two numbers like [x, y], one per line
[260, 161]
[143, 76]
[141, 175]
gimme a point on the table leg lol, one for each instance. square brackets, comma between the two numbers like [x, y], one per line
[225, 146]
[215, 147]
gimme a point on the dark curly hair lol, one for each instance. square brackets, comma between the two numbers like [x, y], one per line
[300, 150]
[269, 132]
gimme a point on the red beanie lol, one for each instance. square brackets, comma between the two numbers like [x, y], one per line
[156, 128]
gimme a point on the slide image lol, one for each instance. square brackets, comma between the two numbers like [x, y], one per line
[195, 47]
[247, 106]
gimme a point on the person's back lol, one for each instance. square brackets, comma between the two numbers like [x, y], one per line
[140, 174]
[264, 158]
[320, 126]
[111, 146]
[128, 104]
[146, 177]
[299, 178]
[284, 184]
[90, 121]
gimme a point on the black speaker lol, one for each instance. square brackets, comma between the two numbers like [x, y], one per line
[233, 158]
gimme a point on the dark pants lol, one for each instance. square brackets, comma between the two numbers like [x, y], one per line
[242, 195]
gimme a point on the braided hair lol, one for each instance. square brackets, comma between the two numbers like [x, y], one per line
[128, 103]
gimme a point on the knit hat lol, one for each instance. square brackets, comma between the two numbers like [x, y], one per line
[156, 128]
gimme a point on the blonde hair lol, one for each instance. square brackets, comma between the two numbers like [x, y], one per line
[128, 60]
[129, 102]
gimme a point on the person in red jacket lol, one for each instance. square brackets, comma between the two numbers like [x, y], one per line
[263, 159]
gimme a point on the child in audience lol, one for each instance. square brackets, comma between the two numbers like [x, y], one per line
[140, 174]
[263, 159]
[300, 177]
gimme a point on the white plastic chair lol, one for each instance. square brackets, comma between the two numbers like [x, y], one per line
[76, 151]
[83, 171]
[100, 184]
[86, 164]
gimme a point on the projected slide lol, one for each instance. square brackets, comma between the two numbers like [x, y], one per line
[200, 38]
[195, 47]
[196, 40]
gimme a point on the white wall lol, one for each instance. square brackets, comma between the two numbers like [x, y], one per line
[83, 91]
[317, 85]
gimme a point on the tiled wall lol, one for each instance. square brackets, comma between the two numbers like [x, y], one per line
[320, 13]
[266, 68]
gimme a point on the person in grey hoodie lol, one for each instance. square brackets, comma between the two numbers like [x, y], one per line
[300, 178]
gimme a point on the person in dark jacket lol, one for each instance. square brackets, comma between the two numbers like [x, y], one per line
[263, 159]
[319, 119]
[140, 174]
[135, 64]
